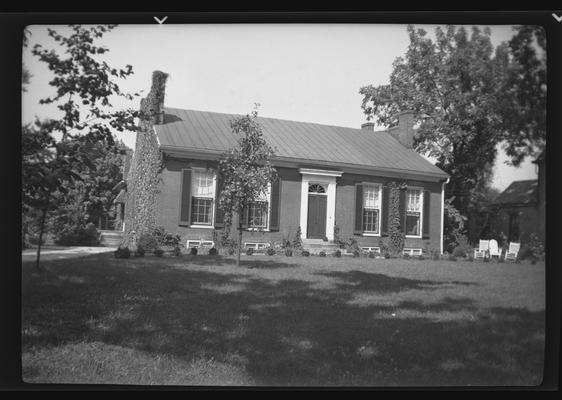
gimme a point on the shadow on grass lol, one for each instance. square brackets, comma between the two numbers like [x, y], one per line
[282, 329]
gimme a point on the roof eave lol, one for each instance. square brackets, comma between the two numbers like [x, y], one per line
[207, 154]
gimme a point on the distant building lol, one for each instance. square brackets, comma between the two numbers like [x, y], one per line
[521, 207]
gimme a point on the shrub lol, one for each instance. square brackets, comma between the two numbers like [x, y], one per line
[177, 251]
[148, 242]
[140, 251]
[158, 252]
[297, 241]
[459, 251]
[387, 255]
[305, 253]
[249, 251]
[322, 253]
[122, 252]
[337, 253]
[421, 257]
[371, 254]
[288, 252]
[406, 256]
[356, 253]
[213, 251]
[77, 235]
[452, 257]
[470, 258]
[231, 251]
[193, 251]
[435, 255]
[270, 251]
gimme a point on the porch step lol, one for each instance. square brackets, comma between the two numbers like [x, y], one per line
[315, 246]
[111, 238]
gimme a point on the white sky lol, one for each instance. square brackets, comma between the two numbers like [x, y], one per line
[301, 72]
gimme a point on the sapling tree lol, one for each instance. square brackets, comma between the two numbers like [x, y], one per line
[246, 172]
[84, 88]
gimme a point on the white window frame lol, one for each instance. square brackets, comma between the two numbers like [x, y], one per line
[412, 251]
[420, 189]
[268, 196]
[213, 198]
[372, 184]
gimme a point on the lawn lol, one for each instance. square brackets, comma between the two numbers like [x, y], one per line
[282, 321]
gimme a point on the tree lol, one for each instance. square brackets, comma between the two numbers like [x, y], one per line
[245, 172]
[457, 87]
[84, 86]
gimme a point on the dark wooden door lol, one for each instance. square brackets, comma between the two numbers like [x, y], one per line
[316, 216]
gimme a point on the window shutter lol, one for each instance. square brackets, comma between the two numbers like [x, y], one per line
[275, 205]
[384, 211]
[185, 197]
[402, 210]
[219, 214]
[245, 215]
[426, 217]
[358, 209]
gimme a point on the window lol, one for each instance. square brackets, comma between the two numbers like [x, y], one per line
[371, 208]
[203, 195]
[414, 207]
[258, 211]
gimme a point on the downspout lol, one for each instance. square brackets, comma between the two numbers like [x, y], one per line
[443, 210]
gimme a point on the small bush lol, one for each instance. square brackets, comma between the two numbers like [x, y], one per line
[337, 253]
[406, 256]
[387, 255]
[158, 252]
[122, 252]
[322, 253]
[148, 242]
[231, 251]
[140, 251]
[270, 251]
[459, 251]
[452, 257]
[470, 258]
[421, 257]
[486, 259]
[213, 251]
[435, 256]
[177, 251]
[356, 253]
[371, 254]
[249, 251]
[193, 251]
[305, 253]
[288, 252]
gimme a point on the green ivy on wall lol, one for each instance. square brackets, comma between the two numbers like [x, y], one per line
[395, 231]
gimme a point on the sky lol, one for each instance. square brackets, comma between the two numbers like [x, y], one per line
[300, 72]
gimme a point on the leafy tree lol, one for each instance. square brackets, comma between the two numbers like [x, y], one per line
[246, 172]
[457, 87]
[84, 87]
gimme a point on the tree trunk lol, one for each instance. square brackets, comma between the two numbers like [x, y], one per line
[239, 243]
[41, 229]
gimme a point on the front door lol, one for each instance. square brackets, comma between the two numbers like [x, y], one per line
[316, 216]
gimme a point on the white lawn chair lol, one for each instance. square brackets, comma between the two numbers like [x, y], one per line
[494, 250]
[512, 251]
[482, 251]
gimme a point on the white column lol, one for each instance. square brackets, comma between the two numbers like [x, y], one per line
[331, 209]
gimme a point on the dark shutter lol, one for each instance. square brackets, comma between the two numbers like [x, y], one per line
[402, 210]
[275, 205]
[358, 209]
[245, 215]
[219, 214]
[185, 197]
[384, 211]
[426, 216]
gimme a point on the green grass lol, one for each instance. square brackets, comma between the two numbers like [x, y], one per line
[282, 321]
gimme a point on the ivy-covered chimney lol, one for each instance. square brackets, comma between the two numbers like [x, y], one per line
[152, 106]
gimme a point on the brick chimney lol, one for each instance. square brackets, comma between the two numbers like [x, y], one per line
[368, 126]
[404, 131]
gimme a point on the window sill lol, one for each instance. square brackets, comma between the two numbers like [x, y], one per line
[202, 226]
[412, 237]
[370, 234]
[257, 230]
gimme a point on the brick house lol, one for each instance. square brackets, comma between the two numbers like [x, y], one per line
[330, 179]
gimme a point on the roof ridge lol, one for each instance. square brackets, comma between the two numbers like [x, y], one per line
[275, 119]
